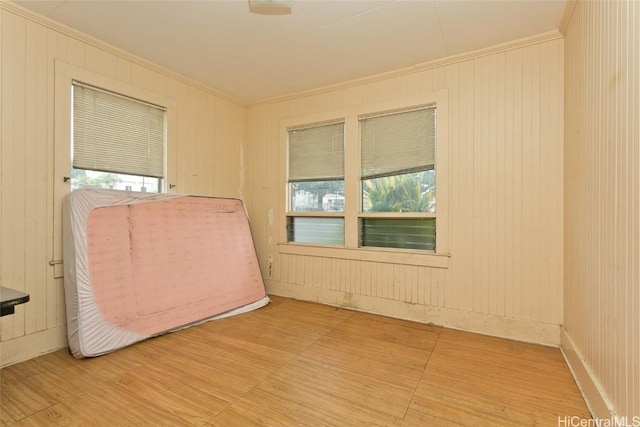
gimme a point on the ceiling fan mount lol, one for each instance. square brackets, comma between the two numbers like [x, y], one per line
[270, 7]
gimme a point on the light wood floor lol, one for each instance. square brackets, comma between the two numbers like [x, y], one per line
[294, 363]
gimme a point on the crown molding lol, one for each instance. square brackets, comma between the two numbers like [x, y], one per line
[566, 16]
[467, 56]
[503, 47]
[99, 44]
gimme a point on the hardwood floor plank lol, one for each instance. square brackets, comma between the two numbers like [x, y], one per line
[364, 345]
[153, 389]
[295, 363]
[363, 391]
[250, 412]
[280, 402]
[435, 412]
[182, 383]
[229, 348]
[273, 333]
[117, 403]
[503, 382]
[312, 313]
[62, 413]
[19, 399]
[365, 358]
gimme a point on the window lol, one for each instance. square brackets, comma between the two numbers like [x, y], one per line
[118, 141]
[316, 184]
[398, 160]
[67, 78]
[386, 200]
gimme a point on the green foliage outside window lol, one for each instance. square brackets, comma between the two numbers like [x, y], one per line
[413, 192]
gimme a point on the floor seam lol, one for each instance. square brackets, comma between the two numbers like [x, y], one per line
[424, 370]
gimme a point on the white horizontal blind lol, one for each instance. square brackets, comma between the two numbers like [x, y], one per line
[397, 143]
[316, 153]
[114, 133]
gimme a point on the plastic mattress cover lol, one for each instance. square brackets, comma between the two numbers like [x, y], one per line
[138, 265]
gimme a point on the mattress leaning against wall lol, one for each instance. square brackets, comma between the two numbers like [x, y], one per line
[138, 265]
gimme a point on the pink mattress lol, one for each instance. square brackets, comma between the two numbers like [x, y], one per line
[140, 265]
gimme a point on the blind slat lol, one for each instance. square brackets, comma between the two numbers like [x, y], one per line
[316, 153]
[395, 143]
[116, 134]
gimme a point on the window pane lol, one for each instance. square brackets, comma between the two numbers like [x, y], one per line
[412, 192]
[115, 181]
[317, 196]
[399, 233]
[324, 231]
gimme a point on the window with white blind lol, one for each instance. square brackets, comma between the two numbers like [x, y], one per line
[398, 179]
[118, 141]
[371, 185]
[316, 183]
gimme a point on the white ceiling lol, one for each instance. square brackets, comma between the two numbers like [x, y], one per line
[322, 42]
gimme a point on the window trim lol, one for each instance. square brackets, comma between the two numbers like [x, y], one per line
[64, 75]
[352, 211]
[371, 254]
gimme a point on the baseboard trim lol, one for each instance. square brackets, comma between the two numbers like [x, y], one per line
[486, 324]
[22, 348]
[593, 393]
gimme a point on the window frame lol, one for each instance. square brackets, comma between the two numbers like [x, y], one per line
[390, 215]
[64, 75]
[292, 214]
[148, 154]
[353, 187]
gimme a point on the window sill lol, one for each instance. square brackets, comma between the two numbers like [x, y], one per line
[389, 256]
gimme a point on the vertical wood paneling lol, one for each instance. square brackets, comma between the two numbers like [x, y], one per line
[527, 190]
[505, 171]
[508, 170]
[49, 294]
[500, 178]
[602, 200]
[203, 160]
[19, 202]
[518, 238]
[42, 171]
[499, 114]
[493, 187]
[8, 94]
[463, 241]
[30, 180]
[479, 191]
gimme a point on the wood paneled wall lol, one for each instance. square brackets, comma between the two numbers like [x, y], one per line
[504, 276]
[203, 158]
[602, 204]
